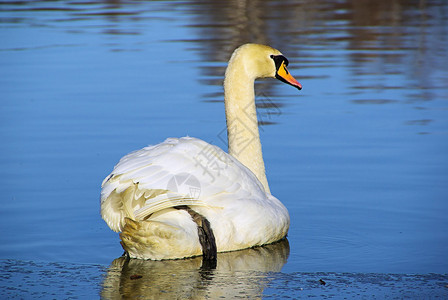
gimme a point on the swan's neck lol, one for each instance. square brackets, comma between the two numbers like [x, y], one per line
[241, 116]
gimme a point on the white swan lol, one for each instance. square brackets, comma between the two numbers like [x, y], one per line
[166, 198]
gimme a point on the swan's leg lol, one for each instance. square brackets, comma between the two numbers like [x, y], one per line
[206, 236]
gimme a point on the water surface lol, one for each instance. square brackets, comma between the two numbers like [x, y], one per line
[359, 156]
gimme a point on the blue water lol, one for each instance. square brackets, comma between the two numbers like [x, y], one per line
[359, 156]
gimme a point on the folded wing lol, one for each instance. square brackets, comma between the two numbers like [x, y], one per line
[185, 171]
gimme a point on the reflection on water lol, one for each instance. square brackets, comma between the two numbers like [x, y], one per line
[386, 37]
[390, 49]
[238, 274]
[35, 280]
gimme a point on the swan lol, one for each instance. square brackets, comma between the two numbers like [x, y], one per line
[185, 197]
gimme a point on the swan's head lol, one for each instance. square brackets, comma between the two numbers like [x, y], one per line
[261, 61]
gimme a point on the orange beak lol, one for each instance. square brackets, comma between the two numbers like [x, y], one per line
[283, 75]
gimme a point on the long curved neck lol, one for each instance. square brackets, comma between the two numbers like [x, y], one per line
[241, 116]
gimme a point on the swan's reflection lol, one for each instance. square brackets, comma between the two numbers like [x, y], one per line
[241, 273]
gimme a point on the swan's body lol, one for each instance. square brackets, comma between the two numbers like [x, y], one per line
[153, 194]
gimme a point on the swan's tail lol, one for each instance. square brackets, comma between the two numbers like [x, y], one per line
[156, 240]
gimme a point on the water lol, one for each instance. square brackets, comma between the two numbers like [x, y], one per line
[358, 156]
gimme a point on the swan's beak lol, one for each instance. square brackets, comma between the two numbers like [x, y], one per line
[283, 75]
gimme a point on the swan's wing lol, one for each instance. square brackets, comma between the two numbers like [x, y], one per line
[184, 171]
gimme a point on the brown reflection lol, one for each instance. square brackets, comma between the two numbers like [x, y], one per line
[381, 37]
[378, 37]
[238, 274]
[374, 101]
[370, 40]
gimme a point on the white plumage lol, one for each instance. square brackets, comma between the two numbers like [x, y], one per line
[142, 195]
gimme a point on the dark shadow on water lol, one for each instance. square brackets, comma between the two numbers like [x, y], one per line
[250, 274]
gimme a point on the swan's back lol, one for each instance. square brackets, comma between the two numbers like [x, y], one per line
[185, 171]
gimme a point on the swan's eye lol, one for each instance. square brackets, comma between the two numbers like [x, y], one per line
[279, 59]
